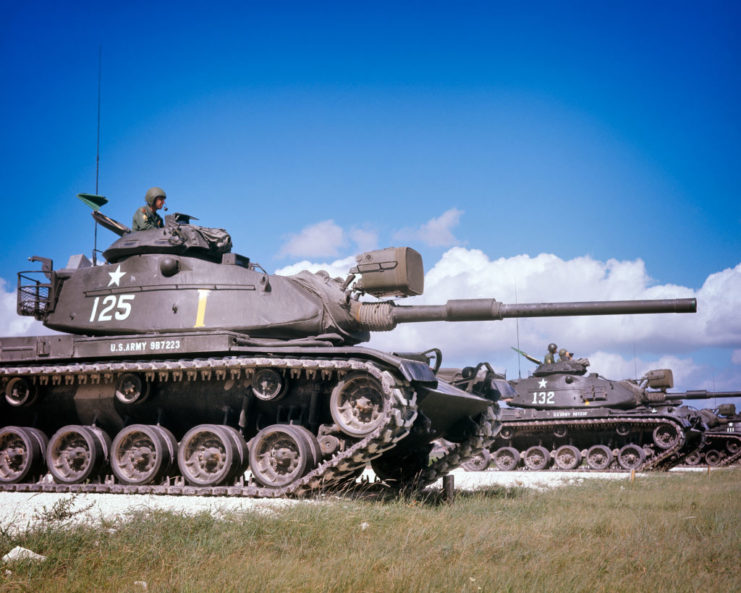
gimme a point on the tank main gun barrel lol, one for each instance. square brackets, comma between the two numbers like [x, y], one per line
[385, 316]
[491, 309]
[702, 394]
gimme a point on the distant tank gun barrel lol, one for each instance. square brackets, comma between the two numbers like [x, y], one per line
[385, 316]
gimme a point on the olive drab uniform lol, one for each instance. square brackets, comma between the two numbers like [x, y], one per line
[146, 218]
[550, 357]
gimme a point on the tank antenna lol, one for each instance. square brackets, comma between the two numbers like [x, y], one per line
[517, 322]
[95, 201]
[97, 144]
[97, 152]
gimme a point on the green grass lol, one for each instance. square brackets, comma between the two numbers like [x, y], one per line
[663, 532]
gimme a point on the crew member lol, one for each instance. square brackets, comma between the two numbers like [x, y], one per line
[550, 358]
[564, 354]
[146, 217]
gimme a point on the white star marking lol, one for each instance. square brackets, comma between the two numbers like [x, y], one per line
[542, 384]
[116, 276]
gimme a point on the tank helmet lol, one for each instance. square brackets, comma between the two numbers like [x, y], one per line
[562, 352]
[153, 193]
[552, 347]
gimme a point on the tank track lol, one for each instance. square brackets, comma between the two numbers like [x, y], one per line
[400, 413]
[457, 454]
[447, 456]
[726, 438]
[663, 460]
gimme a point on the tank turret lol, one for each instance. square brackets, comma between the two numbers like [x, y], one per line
[567, 385]
[185, 368]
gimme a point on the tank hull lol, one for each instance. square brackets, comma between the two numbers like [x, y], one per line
[599, 439]
[184, 381]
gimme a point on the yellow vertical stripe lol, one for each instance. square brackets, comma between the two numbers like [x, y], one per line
[201, 313]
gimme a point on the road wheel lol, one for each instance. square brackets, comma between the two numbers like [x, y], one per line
[713, 458]
[142, 454]
[207, 455]
[281, 454]
[506, 458]
[537, 458]
[21, 455]
[599, 457]
[478, 462]
[693, 458]
[567, 457]
[77, 453]
[631, 456]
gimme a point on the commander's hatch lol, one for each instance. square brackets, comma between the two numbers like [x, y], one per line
[112, 225]
[95, 202]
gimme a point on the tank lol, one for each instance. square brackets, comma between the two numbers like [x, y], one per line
[564, 418]
[722, 443]
[179, 364]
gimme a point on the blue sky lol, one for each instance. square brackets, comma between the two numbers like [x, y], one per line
[595, 132]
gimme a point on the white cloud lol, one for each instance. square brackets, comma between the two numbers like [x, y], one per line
[323, 239]
[336, 269]
[436, 232]
[327, 239]
[365, 239]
